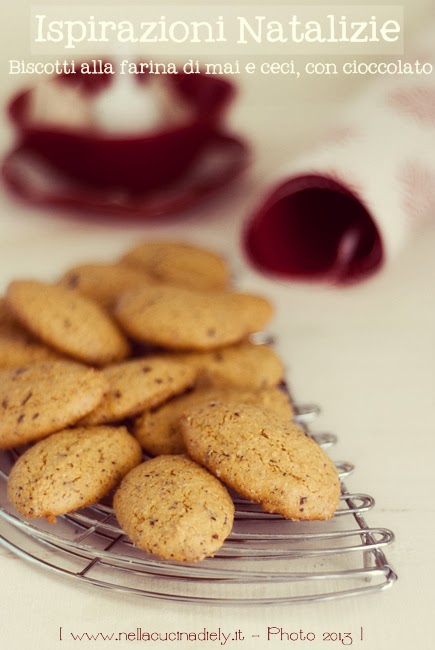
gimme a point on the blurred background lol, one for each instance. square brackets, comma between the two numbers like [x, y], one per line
[280, 118]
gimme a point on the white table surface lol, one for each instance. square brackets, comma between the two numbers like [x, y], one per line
[366, 354]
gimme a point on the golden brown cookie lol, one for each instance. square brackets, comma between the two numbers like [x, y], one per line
[138, 385]
[180, 264]
[18, 347]
[44, 397]
[70, 470]
[158, 430]
[104, 283]
[182, 319]
[265, 458]
[8, 324]
[19, 350]
[66, 320]
[247, 365]
[173, 508]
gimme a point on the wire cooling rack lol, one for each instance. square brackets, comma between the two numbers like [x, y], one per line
[265, 560]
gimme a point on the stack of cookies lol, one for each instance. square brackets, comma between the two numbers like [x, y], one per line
[152, 353]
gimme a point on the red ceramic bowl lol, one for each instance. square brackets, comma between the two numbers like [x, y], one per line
[134, 163]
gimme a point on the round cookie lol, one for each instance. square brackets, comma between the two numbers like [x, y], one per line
[19, 350]
[44, 397]
[104, 283]
[247, 365]
[272, 399]
[139, 384]
[182, 319]
[158, 430]
[70, 470]
[175, 509]
[8, 324]
[67, 321]
[17, 347]
[265, 458]
[180, 264]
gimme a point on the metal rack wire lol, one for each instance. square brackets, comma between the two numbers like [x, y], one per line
[265, 560]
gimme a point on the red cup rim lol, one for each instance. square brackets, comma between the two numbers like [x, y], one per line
[16, 110]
